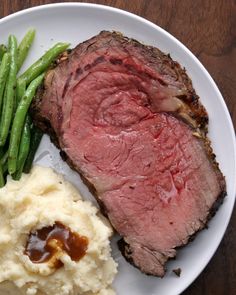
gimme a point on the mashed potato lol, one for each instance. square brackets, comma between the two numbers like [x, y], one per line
[38, 200]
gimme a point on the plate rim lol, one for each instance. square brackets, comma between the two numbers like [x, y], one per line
[192, 56]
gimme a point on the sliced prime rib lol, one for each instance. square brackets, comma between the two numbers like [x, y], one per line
[127, 118]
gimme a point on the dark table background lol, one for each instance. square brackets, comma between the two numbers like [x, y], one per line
[208, 29]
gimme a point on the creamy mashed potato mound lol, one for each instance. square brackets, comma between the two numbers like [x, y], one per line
[38, 200]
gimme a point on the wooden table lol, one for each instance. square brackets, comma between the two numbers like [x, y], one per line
[208, 29]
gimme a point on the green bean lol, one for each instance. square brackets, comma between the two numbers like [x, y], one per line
[2, 181]
[3, 50]
[20, 89]
[43, 63]
[4, 149]
[4, 158]
[9, 98]
[4, 169]
[18, 122]
[24, 149]
[24, 47]
[4, 69]
[36, 136]
[1, 152]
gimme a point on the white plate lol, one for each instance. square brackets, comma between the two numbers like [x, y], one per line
[76, 22]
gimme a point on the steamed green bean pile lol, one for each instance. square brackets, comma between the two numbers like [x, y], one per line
[19, 138]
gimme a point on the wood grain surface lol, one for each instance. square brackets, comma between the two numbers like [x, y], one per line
[208, 29]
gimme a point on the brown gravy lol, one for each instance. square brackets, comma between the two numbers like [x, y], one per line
[47, 242]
